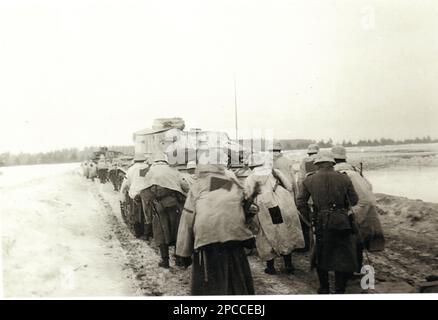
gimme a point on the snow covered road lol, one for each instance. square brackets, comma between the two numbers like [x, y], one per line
[55, 238]
[63, 236]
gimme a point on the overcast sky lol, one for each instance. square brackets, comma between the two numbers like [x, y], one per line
[90, 72]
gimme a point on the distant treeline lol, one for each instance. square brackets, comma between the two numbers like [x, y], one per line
[76, 155]
[298, 144]
[58, 156]
[384, 142]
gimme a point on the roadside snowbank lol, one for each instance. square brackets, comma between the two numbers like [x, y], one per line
[18, 175]
[411, 232]
[55, 240]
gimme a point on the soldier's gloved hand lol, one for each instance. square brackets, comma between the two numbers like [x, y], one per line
[250, 211]
[253, 210]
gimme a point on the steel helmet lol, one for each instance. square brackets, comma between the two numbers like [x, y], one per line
[160, 157]
[214, 155]
[139, 157]
[276, 146]
[324, 157]
[339, 152]
[312, 148]
[256, 160]
[191, 165]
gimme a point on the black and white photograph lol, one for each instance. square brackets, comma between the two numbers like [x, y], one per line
[206, 149]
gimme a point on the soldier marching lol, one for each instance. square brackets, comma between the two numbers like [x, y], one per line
[213, 219]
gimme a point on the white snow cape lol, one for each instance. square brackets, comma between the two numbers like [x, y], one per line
[212, 216]
[365, 211]
[162, 175]
[280, 238]
[135, 181]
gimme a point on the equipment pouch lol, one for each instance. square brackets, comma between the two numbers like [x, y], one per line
[338, 221]
[275, 213]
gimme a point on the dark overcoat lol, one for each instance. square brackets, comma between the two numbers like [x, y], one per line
[332, 193]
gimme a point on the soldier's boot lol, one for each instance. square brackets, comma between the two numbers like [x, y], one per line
[148, 231]
[178, 260]
[164, 252]
[270, 267]
[359, 253]
[164, 263]
[324, 287]
[341, 279]
[289, 267]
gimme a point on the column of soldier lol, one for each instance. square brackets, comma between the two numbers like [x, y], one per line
[214, 219]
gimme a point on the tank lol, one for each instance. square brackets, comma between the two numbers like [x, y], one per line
[167, 136]
[108, 154]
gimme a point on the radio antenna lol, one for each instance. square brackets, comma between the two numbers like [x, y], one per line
[235, 108]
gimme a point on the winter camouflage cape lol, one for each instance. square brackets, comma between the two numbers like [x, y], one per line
[366, 215]
[212, 216]
[166, 183]
[275, 238]
[135, 180]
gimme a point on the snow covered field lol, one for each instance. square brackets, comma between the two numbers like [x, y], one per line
[54, 237]
[18, 175]
[414, 183]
